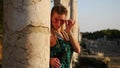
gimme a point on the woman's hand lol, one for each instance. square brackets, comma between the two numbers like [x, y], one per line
[55, 63]
[69, 25]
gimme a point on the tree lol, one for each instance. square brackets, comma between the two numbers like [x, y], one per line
[109, 33]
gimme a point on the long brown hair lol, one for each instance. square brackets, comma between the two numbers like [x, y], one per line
[60, 9]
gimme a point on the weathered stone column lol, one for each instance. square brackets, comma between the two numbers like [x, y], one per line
[26, 34]
[74, 16]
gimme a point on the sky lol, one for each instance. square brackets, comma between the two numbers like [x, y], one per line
[94, 15]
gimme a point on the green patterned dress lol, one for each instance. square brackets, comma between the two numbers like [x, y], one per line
[63, 51]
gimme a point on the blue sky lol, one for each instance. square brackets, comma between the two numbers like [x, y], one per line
[98, 15]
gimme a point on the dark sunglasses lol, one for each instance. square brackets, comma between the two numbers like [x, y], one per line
[61, 21]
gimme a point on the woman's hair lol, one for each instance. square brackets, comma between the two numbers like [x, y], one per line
[59, 9]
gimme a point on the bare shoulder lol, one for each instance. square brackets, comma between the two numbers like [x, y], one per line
[52, 40]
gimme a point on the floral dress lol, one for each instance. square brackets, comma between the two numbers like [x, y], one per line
[63, 51]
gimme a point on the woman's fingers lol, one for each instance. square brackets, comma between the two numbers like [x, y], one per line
[71, 22]
[55, 63]
[69, 25]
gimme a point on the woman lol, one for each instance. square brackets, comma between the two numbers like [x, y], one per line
[62, 42]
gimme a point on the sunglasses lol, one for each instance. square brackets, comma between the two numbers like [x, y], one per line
[61, 21]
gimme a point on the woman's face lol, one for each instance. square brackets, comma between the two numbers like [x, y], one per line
[57, 20]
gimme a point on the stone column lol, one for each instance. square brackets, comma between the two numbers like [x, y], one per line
[74, 16]
[26, 42]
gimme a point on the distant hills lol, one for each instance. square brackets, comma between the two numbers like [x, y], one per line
[108, 33]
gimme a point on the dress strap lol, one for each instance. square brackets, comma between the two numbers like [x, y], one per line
[65, 35]
[58, 35]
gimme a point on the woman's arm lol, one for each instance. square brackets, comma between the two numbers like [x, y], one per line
[69, 26]
[74, 42]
